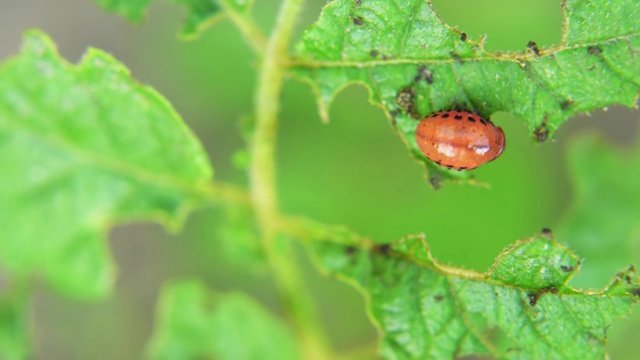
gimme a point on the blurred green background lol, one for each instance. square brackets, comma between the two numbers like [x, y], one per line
[353, 171]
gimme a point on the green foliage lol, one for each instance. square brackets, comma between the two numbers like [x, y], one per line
[521, 308]
[200, 13]
[193, 324]
[84, 146]
[13, 328]
[603, 224]
[414, 64]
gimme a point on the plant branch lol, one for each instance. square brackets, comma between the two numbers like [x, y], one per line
[252, 34]
[280, 253]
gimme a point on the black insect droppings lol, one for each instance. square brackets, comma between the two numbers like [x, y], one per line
[456, 58]
[534, 47]
[438, 298]
[635, 292]
[424, 73]
[541, 133]
[350, 250]
[406, 99]
[627, 279]
[384, 249]
[435, 181]
[565, 105]
[463, 37]
[534, 297]
[374, 53]
[358, 21]
[546, 232]
[594, 50]
[566, 268]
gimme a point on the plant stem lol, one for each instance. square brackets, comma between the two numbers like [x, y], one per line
[280, 254]
[247, 26]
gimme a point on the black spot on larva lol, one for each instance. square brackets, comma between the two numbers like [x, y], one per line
[463, 37]
[458, 117]
[374, 53]
[533, 47]
[462, 168]
[471, 119]
[406, 99]
[594, 50]
[565, 105]
[358, 21]
[546, 232]
[438, 298]
[566, 268]
[483, 122]
[449, 166]
[445, 115]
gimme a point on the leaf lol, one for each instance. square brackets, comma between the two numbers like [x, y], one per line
[521, 308]
[13, 328]
[603, 224]
[413, 64]
[85, 146]
[193, 324]
[239, 238]
[200, 13]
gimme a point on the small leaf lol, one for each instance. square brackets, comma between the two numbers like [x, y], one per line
[414, 64]
[603, 224]
[522, 308]
[84, 146]
[193, 324]
[239, 239]
[200, 13]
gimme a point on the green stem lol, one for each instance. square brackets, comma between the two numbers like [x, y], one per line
[247, 26]
[297, 302]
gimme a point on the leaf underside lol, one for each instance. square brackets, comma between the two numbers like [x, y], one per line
[413, 64]
[84, 146]
[521, 308]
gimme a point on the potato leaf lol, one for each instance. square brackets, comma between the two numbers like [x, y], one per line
[414, 64]
[84, 146]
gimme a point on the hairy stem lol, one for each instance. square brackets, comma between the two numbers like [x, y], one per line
[247, 26]
[295, 297]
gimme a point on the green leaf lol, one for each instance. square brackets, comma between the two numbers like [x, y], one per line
[193, 324]
[239, 238]
[13, 328]
[84, 146]
[603, 224]
[521, 308]
[200, 14]
[414, 64]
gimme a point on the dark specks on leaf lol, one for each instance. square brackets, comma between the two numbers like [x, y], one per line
[594, 50]
[566, 268]
[636, 292]
[406, 99]
[463, 37]
[533, 47]
[358, 2]
[384, 249]
[350, 250]
[456, 58]
[546, 232]
[438, 298]
[424, 73]
[374, 53]
[358, 21]
[541, 133]
[565, 105]
[534, 297]
[627, 279]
